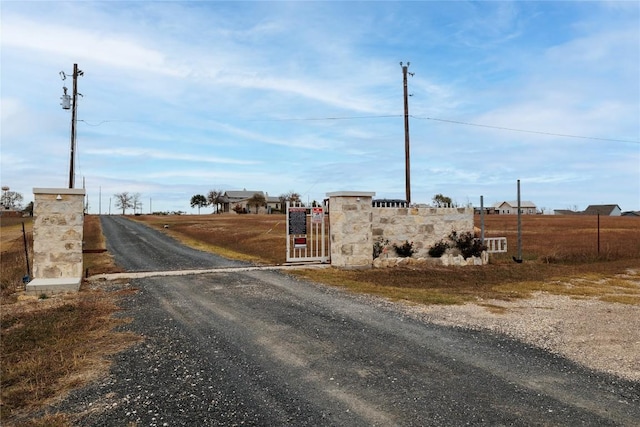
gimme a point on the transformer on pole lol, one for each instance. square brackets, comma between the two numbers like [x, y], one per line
[70, 102]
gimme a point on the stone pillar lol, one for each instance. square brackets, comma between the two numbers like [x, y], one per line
[350, 215]
[57, 240]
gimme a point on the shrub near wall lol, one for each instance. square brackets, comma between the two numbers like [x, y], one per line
[424, 226]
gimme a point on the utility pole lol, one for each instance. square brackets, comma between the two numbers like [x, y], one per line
[74, 112]
[406, 132]
[72, 103]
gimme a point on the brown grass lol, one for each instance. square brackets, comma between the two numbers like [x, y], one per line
[567, 238]
[50, 346]
[12, 255]
[251, 237]
[54, 345]
[555, 249]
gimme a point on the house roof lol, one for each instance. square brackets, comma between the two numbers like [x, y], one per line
[514, 204]
[600, 209]
[565, 212]
[238, 195]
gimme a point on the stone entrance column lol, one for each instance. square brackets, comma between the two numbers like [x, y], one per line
[350, 215]
[57, 240]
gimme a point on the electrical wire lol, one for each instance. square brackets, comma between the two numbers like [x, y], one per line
[457, 122]
[524, 130]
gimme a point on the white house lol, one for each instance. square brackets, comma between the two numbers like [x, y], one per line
[511, 208]
[239, 200]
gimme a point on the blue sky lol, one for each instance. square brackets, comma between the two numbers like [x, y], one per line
[180, 98]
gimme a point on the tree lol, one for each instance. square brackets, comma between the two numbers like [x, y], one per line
[136, 202]
[288, 197]
[198, 200]
[257, 200]
[124, 201]
[11, 200]
[441, 200]
[215, 198]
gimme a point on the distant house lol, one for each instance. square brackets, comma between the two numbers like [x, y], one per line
[488, 210]
[566, 212]
[608, 210]
[511, 208]
[238, 200]
[631, 213]
[274, 204]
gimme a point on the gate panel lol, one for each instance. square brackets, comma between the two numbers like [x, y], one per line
[307, 233]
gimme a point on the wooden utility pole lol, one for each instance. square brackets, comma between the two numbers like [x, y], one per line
[74, 112]
[406, 132]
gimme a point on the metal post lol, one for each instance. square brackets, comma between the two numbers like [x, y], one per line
[482, 219]
[26, 250]
[598, 233]
[519, 227]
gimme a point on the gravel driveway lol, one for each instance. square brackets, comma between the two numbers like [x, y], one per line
[262, 348]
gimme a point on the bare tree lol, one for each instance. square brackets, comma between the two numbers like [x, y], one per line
[136, 201]
[294, 197]
[291, 196]
[11, 200]
[257, 200]
[123, 201]
[215, 198]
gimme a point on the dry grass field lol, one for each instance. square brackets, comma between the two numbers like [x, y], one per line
[555, 249]
[568, 238]
[50, 345]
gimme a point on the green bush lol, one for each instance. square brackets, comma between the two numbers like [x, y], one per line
[438, 249]
[405, 250]
[379, 247]
[467, 244]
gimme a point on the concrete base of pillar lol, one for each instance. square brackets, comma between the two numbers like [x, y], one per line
[53, 286]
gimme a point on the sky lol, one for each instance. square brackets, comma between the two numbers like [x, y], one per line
[183, 97]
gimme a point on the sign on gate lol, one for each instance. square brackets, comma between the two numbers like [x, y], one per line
[307, 233]
[317, 215]
[297, 220]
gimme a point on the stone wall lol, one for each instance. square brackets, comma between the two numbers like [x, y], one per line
[423, 226]
[57, 233]
[356, 226]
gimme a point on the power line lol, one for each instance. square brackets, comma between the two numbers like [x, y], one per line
[386, 116]
[524, 130]
[310, 119]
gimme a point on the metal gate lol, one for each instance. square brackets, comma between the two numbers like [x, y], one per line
[307, 233]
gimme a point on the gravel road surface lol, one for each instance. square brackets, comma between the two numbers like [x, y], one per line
[137, 247]
[263, 348]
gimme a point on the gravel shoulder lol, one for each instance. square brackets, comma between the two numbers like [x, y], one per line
[599, 335]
